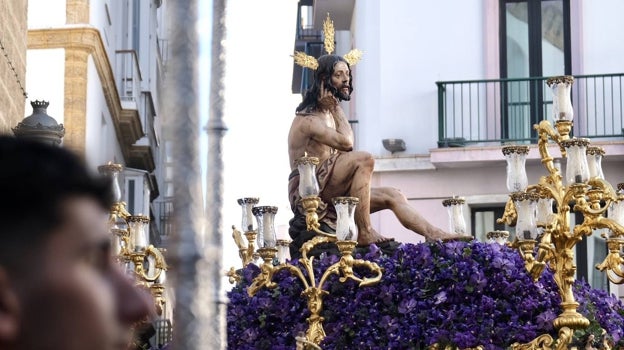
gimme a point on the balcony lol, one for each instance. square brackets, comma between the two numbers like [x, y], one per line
[497, 111]
[129, 78]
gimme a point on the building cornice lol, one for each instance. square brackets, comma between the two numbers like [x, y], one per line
[87, 38]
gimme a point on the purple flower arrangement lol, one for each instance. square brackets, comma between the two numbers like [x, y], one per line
[461, 294]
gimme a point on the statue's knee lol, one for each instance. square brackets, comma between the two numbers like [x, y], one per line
[396, 195]
[363, 160]
[367, 159]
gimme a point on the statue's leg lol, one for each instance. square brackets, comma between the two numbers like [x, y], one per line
[391, 198]
[351, 176]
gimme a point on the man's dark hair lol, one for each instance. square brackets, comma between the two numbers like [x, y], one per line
[35, 179]
[324, 72]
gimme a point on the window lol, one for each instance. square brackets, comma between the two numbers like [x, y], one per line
[483, 220]
[534, 42]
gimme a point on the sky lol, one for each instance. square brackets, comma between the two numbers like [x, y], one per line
[259, 106]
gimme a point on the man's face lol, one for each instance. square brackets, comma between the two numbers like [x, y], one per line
[78, 298]
[340, 81]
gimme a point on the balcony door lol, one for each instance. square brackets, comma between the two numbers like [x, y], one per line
[534, 42]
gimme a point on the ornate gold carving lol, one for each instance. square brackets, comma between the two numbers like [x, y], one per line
[515, 149]
[139, 259]
[307, 160]
[304, 60]
[568, 79]
[328, 33]
[544, 342]
[497, 234]
[313, 289]
[453, 201]
[352, 57]
[556, 245]
[574, 142]
[595, 150]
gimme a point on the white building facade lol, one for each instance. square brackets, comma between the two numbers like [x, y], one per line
[101, 64]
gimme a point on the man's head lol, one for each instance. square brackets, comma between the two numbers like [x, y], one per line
[335, 75]
[59, 286]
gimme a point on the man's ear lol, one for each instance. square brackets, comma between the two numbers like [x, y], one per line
[9, 308]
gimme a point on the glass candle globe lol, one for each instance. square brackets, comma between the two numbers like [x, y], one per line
[562, 104]
[247, 222]
[308, 185]
[139, 234]
[616, 209]
[455, 207]
[526, 204]
[577, 169]
[283, 250]
[516, 172]
[265, 215]
[346, 230]
[594, 161]
[112, 172]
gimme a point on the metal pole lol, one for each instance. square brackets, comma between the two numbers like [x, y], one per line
[191, 314]
[214, 177]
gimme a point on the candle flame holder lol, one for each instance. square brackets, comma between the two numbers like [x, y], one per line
[313, 288]
[130, 237]
[555, 246]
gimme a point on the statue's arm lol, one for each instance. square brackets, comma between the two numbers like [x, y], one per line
[342, 124]
[339, 139]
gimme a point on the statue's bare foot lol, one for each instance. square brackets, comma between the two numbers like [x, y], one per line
[445, 236]
[368, 238]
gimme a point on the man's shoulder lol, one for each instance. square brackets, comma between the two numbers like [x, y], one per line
[308, 113]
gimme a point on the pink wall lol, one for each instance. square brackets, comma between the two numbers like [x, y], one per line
[425, 190]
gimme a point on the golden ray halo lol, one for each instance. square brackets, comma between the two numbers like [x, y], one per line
[307, 61]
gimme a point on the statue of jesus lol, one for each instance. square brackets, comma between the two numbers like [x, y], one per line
[321, 129]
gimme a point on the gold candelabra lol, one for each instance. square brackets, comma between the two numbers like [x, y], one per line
[585, 192]
[313, 288]
[131, 243]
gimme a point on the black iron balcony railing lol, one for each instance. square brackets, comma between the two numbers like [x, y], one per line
[496, 111]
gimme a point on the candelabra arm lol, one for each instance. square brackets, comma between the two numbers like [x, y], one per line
[159, 263]
[124, 237]
[613, 262]
[119, 210]
[543, 342]
[545, 250]
[545, 130]
[510, 215]
[296, 272]
[265, 278]
[600, 194]
[249, 254]
[564, 339]
[233, 276]
[373, 267]
[310, 205]
[526, 247]
[546, 342]
[307, 246]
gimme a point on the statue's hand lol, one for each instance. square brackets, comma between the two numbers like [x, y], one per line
[326, 99]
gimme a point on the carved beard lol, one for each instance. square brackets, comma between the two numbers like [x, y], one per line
[341, 96]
